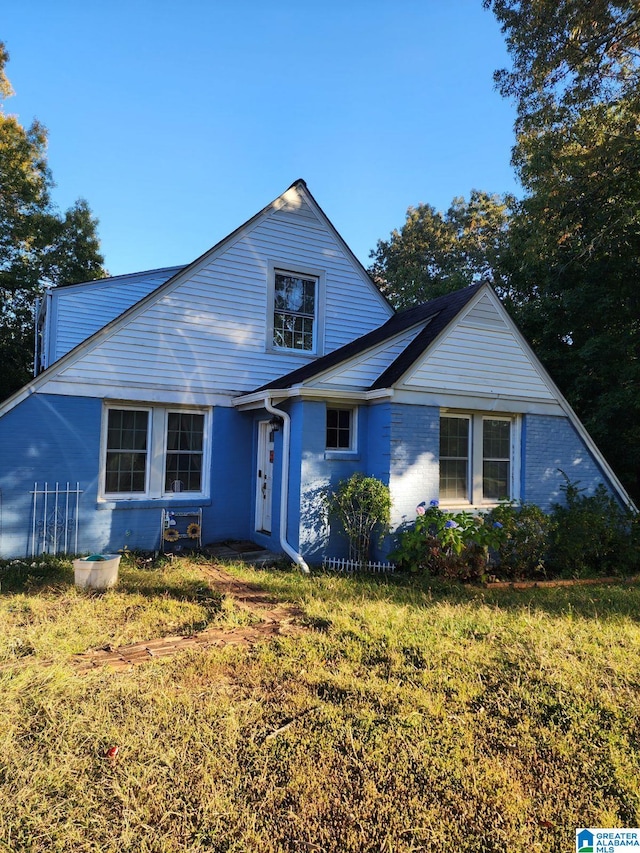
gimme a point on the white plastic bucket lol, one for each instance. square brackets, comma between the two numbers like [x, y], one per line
[97, 574]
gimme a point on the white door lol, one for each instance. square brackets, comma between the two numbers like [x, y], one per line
[264, 482]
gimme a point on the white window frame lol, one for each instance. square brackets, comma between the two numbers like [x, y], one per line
[353, 430]
[297, 271]
[104, 449]
[475, 473]
[469, 419]
[156, 453]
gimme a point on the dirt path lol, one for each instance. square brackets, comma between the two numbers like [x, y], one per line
[276, 620]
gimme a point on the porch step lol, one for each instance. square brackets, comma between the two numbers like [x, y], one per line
[242, 551]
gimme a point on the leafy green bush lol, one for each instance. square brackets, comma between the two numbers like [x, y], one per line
[523, 550]
[447, 544]
[361, 504]
[592, 534]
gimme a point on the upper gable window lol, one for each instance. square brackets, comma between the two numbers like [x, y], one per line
[295, 310]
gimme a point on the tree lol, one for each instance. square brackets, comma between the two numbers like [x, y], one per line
[39, 246]
[575, 238]
[434, 253]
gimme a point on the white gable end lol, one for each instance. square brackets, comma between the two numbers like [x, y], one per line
[207, 333]
[360, 372]
[480, 356]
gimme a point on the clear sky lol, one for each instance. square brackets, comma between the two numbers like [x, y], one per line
[177, 121]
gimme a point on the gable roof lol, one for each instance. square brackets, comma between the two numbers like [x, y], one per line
[181, 274]
[124, 278]
[437, 314]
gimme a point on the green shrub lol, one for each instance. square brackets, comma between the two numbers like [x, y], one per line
[592, 534]
[523, 550]
[446, 544]
[362, 505]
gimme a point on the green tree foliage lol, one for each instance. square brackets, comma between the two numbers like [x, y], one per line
[575, 239]
[39, 246]
[437, 253]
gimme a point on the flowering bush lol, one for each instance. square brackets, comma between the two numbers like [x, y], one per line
[587, 535]
[455, 545]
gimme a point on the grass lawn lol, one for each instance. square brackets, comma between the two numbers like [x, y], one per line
[411, 716]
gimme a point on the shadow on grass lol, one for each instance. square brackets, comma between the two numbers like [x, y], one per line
[601, 601]
[51, 575]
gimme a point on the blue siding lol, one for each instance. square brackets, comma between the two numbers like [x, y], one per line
[228, 515]
[53, 439]
[321, 471]
[415, 448]
[49, 438]
[548, 445]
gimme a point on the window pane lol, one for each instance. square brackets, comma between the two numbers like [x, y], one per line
[454, 458]
[496, 464]
[293, 331]
[338, 429]
[126, 461]
[185, 441]
[495, 481]
[184, 472]
[294, 312]
[496, 439]
[454, 437]
[454, 479]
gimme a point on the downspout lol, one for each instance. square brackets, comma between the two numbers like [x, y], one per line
[284, 489]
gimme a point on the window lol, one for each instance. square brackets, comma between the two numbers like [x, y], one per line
[151, 452]
[496, 459]
[477, 458]
[185, 435]
[295, 310]
[127, 448]
[454, 458]
[339, 429]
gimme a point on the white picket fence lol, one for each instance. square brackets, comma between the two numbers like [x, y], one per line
[54, 518]
[338, 564]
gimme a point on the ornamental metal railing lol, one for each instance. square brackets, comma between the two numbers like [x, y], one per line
[55, 518]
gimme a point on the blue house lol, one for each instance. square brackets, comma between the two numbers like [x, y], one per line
[234, 390]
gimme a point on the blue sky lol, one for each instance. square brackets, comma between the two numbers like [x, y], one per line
[179, 121]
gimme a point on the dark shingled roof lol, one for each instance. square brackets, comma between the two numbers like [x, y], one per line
[440, 311]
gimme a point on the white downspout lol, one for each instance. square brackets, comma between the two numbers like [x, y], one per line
[284, 489]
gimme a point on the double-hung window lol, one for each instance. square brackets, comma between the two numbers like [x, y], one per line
[185, 444]
[477, 454]
[295, 310]
[151, 452]
[127, 451]
[455, 450]
[496, 459]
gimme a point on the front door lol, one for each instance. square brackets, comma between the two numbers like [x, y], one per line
[264, 482]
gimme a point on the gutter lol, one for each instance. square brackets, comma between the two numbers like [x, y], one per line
[284, 489]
